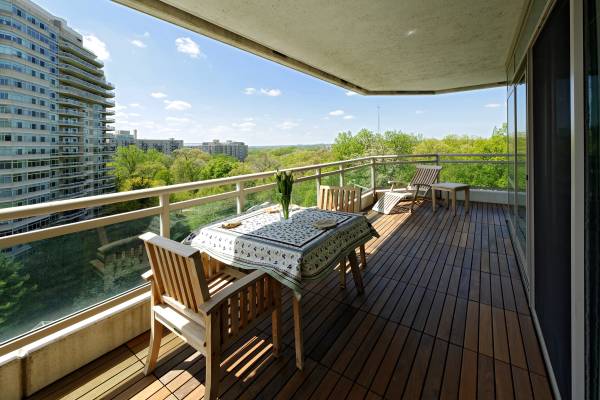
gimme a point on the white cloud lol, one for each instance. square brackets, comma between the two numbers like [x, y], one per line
[158, 95]
[178, 105]
[244, 126]
[134, 115]
[249, 91]
[177, 120]
[287, 125]
[271, 92]
[135, 105]
[419, 112]
[138, 43]
[146, 34]
[349, 117]
[492, 105]
[351, 93]
[336, 113]
[187, 46]
[96, 46]
[118, 107]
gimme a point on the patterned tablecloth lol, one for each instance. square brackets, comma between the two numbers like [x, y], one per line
[292, 252]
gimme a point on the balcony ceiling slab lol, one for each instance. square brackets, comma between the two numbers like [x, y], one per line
[371, 47]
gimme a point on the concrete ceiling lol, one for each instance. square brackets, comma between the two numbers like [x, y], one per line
[372, 47]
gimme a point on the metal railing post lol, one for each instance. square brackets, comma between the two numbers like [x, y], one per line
[373, 179]
[241, 197]
[341, 168]
[318, 178]
[165, 217]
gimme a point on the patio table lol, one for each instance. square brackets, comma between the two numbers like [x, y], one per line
[293, 252]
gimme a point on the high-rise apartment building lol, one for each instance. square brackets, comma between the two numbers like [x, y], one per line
[54, 115]
[238, 150]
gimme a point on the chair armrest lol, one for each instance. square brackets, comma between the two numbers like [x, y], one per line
[223, 295]
[148, 275]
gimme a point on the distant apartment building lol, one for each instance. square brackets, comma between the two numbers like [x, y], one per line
[237, 150]
[128, 138]
[166, 146]
[124, 138]
[54, 115]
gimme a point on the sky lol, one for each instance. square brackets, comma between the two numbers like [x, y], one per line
[171, 82]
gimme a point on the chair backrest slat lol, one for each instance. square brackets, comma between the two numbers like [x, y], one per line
[426, 175]
[339, 198]
[178, 271]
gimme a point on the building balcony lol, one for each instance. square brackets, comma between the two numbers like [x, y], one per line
[63, 132]
[81, 52]
[65, 122]
[83, 95]
[78, 62]
[98, 79]
[85, 85]
[66, 111]
[70, 102]
[444, 305]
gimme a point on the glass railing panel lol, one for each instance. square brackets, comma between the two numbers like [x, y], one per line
[47, 280]
[187, 220]
[479, 175]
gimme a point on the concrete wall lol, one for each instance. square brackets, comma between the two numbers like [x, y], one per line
[29, 369]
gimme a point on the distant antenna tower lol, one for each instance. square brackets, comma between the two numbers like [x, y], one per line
[378, 121]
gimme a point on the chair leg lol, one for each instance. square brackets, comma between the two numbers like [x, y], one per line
[156, 331]
[276, 318]
[213, 355]
[342, 273]
[363, 256]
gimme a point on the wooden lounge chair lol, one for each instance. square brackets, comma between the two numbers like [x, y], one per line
[185, 301]
[342, 198]
[419, 187]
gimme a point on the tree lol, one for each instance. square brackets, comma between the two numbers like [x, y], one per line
[188, 164]
[13, 288]
[218, 167]
[126, 161]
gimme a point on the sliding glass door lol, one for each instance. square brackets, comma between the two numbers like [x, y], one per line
[517, 167]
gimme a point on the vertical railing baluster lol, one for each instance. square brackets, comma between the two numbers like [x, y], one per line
[318, 183]
[165, 216]
[341, 174]
[373, 179]
[240, 197]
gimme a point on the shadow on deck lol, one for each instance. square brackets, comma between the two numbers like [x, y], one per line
[444, 315]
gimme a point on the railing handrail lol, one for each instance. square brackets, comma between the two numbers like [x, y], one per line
[111, 198]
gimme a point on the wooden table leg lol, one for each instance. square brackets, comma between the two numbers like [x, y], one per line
[454, 202]
[433, 199]
[467, 200]
[356, 272]
[298, 333]
[342, 274]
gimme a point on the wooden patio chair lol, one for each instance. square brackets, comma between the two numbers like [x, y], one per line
[347, 199]
[419, 187]
[207, 304]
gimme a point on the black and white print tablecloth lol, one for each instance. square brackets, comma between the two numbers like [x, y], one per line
[292, 251]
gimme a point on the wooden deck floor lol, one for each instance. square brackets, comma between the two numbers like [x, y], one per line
[444, 316]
